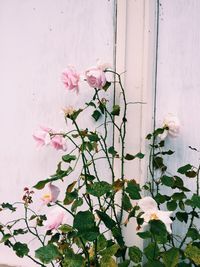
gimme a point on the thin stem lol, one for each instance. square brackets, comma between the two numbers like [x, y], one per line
[29, 229]
[60, 205]
[190, 225]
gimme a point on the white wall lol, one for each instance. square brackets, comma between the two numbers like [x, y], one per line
[178, 80]
[38, 40]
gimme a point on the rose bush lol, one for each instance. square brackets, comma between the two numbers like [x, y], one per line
[85, 227]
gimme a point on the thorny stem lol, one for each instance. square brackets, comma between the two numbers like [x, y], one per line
[84, 162]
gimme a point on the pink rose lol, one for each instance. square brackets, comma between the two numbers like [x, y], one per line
[71, 79]
[55, 218]
[96, 77]
[42, 136]
[58, 142]
[52, 195]
[45, 136]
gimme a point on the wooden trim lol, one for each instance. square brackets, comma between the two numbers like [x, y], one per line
[135, 54]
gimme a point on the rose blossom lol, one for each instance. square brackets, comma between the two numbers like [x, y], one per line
[58, 142]
[151, 212]
[55, 218]
[42, 136]
[173, 124]
[46, 136]
[68, 111]
[95, 77]
[70, 78]
[52, 195]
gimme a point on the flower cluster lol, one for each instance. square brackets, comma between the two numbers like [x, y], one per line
[94, 76]
[46, 136]
[83, 224]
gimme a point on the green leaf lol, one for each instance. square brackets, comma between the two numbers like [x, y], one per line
[21, 249]
[58, 176]
[112, 151]
[144, 235]
[93, 137]
[110, 251]
[193, 233]
[161, 198]
[158, 229]
[8, 206]
[109, 223]
[68, 158]
[47, 253]
[133, 190]
[158, 131]
[154, 263]
[181, 205]
[116, 110]
[75, 114]
[171, 257]
[96, 115]
[171, 205]
[184, 168]
[98, 189]
[65, 228]
[196, 201]
[101, 242]
[91, 103]
[70, 197]
[158, 163]
[183, 264]
[193, 253]
[135, 254]
[87, 177]
[5, 238]
[169, 152]
[107, 261]
[139, 155]
[124, 263]
[131, 157]
[71, 186]
[182, 216]
[148, 137]
[167, 180]
[73, 260]
[151, 251]
[77, 203]
[191, 174]
[102, 106]
[117, 234]
[106, 86]
[84, 222]
[179, 196]
[126, 203]
[54, 238]
[19, 231]
[178, 182]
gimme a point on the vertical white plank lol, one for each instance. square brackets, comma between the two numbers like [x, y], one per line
[136, 35]
[178, 81]
[38, 40]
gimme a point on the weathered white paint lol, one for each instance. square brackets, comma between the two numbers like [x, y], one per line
[178, 80]
[38, 40]
[135, 55]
